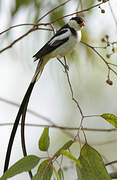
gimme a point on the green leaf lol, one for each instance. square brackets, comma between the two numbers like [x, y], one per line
[112, 119]
[45, 171]
[56, 174]
[91, 165]
[44, 141]
[61, 174]
[70, 156]
[25, 164]
[36, 177]
[64, 147]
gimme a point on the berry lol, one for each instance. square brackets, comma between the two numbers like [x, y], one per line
[108, 81]
[102, 11]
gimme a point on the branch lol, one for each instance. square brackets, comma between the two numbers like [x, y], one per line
[110, 163]
[45, 24]
[71, 89]
[104, 60]
[113, 175]
[63, 127]
[18, 25]
[36, 25]
[77, 136]
[113, 15]
[82, 11]
[30, 111]
[21, 37]
[62, 4]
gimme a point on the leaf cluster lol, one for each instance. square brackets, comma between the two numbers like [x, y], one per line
[89, 164]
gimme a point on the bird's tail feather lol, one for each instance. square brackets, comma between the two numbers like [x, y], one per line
[25, 101]
[39, 69]
[15, 126]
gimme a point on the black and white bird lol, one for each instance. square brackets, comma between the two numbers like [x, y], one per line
[62, 43]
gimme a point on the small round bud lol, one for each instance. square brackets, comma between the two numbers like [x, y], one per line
[108, 81]
[104, 1]
[106, 36]
[113, 49]
[108, 55]
[103, 40]
[102, 11]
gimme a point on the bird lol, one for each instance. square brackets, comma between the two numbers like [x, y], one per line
[62, 43]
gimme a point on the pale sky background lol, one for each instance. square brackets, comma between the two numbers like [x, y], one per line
[51, 95]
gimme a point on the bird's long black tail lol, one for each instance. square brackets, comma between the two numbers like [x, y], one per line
[15, 126]
[24, 103]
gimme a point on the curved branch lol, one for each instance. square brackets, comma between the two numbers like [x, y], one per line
[107, 63]
[21, 37]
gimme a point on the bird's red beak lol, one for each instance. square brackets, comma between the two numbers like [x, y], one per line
[82, 24]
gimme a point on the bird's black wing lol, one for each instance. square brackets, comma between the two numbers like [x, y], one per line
[53, 43]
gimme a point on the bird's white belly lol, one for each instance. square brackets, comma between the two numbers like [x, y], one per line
[66, 48]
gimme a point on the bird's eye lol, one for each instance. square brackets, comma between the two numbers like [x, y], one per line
[80, 21]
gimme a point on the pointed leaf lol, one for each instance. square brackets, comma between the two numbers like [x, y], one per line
[45, 171]
[91, 165]
[56, 174]
[61, 174]
[64, 147]
[25, 164]
[44, 141]
[36, 177]
[111, 118]
[70, 156]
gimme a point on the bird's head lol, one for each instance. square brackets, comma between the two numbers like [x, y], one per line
[77, 23]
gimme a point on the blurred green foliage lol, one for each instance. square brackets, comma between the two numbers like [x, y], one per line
[36, 5]
[19, 5]
[56, 14]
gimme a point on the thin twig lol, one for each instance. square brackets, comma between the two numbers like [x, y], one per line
[107, 64]
[63, 127]
[28, 110]
[62, 4]
[17, 25]
[113, 175]
[21, 37]
[110, 163]
[36, 25]
[45, 24]
[112, 64]
[113, 15]
[76, 102]
[78, 12]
